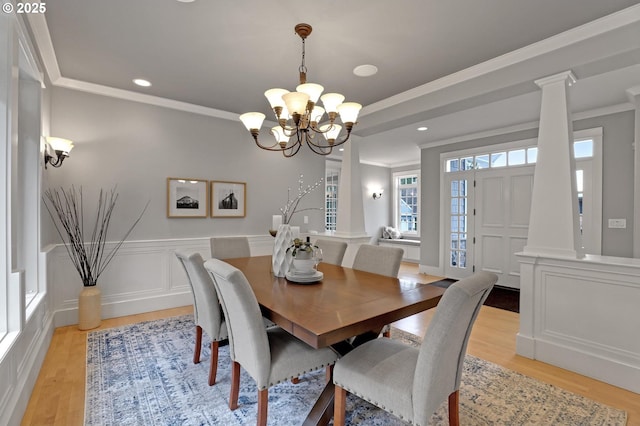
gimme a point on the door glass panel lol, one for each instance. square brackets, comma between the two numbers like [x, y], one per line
[458, 230]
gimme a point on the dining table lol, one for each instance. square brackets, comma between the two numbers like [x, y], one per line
[344, 303]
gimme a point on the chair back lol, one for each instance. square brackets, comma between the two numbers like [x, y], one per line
[332, 251]
[439, 367]
[379, 260]
[248, 342]
[229, 247]
[206, 308]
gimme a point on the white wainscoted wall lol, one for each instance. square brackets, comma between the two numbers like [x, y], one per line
[582, 315]
[144, 276]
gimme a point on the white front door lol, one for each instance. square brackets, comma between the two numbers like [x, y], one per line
[502, 207]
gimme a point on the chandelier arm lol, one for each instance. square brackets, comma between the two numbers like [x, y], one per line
[320, 150]
[275, 147]
[293, 150]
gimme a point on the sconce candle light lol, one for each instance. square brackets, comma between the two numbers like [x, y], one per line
[377, 194]
[61, 147]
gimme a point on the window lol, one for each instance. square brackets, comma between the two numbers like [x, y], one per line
[332, 176]
[407, 201]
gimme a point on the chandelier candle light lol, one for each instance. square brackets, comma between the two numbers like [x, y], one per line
[298, 116]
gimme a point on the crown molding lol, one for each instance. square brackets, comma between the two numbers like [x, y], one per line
[142, 98]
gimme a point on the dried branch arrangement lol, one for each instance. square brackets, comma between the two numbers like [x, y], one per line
[291, 207]
[88, 252]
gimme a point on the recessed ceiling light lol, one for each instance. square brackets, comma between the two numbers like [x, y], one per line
[142, 82]
[422, 129]
[341, 149]
[186, 1]
[365, 70]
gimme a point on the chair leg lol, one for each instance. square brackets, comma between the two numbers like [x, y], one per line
[386, 334]
[295, 380]
[328, 374]
[339, 405]
[235, 386]
[454, 409]
[263, 401]
[196, 351]
[213, 368]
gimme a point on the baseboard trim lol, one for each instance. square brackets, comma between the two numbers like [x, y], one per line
[69, 316]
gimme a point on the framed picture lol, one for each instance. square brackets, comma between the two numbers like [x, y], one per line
[228, 199]
[187, 197]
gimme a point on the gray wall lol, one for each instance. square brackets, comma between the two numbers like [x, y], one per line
[376, 212]
[137, 146]
[617, 197]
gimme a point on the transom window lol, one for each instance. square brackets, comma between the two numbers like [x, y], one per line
[510, 158]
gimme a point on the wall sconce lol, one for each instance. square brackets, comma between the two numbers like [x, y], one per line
[378, 194]
[60, 146]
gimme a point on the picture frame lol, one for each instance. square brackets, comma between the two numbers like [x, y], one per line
[228, 199]
[187, 198]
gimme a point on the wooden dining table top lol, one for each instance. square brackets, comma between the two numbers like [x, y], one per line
[345, 303]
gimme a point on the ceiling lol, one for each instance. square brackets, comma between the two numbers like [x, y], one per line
[459, 67]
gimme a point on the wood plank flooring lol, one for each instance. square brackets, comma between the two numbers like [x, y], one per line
[58, 395]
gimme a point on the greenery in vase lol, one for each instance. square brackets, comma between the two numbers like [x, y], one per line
[291, 207]
[88, 252]
[299, 247]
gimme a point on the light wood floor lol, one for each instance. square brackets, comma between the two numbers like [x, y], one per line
[58, 396]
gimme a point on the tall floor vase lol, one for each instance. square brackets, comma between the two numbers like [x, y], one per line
[280, 259]
[89, 308]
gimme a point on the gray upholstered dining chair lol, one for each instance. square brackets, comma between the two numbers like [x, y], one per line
[207, 312]
[270, 356]
[410, 382]
[332, 251]
[230, 247]
[379, 260]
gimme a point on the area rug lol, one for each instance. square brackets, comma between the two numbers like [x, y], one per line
[143, 374]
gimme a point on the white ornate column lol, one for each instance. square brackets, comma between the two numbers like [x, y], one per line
[634, 96]
[553, 221]
[554, 226]
[350, 217]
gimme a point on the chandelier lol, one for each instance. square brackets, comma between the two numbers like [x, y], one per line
[298, 115]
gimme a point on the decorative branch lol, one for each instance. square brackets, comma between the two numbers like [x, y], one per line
[291, 207]
[90, 258]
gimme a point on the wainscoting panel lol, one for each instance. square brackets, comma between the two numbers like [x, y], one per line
[144, 276]
[582, 315]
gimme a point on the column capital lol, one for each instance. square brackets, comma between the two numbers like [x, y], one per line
[566, 76]
[633, 93]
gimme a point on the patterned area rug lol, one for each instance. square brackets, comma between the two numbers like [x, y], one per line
[142, 374]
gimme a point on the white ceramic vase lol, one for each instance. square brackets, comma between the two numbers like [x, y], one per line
[280, 259]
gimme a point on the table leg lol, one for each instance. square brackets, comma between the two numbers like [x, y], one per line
[322, 410]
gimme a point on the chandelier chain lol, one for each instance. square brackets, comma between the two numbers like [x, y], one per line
[303, 67]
